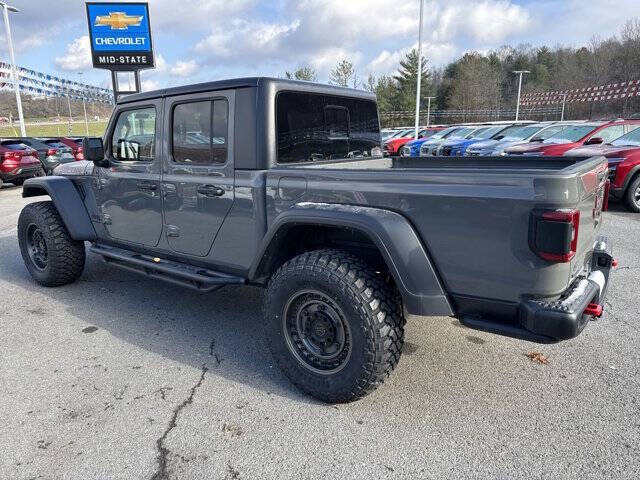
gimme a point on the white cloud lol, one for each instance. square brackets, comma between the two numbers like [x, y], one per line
[247, 39]
[77, 55]
[183, 68]
[147, 85]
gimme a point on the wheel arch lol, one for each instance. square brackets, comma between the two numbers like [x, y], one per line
[389, 236]
[68, 203]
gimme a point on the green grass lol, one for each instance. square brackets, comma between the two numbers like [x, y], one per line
[96, 129]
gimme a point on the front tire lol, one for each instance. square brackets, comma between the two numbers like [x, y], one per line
[334, 326]
[51, 256]
[632, 195]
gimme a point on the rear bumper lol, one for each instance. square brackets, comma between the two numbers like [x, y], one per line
[20, 172]
[553, 320]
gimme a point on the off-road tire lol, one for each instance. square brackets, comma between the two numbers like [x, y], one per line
[633, 189]
[372, 310]
[65, 256]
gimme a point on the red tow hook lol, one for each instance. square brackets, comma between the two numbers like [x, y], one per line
[594, 310]
[614, 263]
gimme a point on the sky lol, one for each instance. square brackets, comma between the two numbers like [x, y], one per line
[196, 41]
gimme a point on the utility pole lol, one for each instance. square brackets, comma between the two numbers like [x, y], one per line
[429, 108]
[415, 134]
[564, 100]
[14, 75]
[519, 89]
[84, 107]
[70, 117]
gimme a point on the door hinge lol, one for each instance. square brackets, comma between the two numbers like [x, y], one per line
[172, 231]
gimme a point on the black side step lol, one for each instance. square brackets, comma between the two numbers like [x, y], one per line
[182, 274]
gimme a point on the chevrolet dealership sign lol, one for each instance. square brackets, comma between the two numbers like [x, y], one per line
[120, 35]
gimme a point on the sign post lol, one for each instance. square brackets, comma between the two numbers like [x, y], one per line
[120, 35]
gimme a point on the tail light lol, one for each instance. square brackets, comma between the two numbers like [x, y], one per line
[11, 155]
[51, 152]
[553, 234]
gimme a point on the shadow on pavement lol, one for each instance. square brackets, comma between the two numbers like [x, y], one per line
[222, 329]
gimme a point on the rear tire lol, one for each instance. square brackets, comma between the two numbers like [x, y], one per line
[632, 195]
[334, 327]
[51, 256]
[18, 182]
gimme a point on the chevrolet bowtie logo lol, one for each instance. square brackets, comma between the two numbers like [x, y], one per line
[118, 20]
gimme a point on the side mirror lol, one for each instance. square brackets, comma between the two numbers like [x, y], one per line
[93, 150]
[536, 139]
[594, 141]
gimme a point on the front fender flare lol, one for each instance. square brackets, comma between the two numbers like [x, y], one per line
[67, 201]
[400, 246]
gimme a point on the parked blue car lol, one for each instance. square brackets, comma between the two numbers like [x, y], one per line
[458, 147]
[412, 148]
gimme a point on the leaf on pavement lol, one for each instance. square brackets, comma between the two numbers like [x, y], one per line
[538, 358]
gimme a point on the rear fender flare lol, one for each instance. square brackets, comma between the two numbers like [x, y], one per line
[67, 201]
[405, 255]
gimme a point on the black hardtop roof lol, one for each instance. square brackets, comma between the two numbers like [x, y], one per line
[247, 82]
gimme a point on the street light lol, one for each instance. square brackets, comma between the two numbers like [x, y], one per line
[519, 89]
[419, 71]
[14, 75]
[429, 108]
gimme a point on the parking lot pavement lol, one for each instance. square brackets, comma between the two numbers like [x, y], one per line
[119, 377]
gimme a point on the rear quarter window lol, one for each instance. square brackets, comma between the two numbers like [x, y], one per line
[314, 127]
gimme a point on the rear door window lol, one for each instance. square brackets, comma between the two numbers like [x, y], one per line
[314, 127]
[200, 132]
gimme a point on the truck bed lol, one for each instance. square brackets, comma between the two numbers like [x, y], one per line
[472, 213]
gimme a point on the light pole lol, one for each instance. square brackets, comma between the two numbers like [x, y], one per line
[14, 75]
[519, 89]
[564, 100]
[415, 134]
[429, 108]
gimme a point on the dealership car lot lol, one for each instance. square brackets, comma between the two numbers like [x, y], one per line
[117, 376]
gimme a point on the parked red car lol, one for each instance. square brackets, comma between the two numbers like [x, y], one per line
[578, 135]
[75, 143]
[392, 146]
[18, 162]
[624, 166]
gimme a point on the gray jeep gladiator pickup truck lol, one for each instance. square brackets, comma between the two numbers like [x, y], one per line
[282, 184]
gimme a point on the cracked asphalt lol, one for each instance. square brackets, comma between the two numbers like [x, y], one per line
[119, 377]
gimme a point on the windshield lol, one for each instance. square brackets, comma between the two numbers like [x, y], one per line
[518, 133]
[486, 133]
[427, 133]
[463, 132]
[632, 139]
[444, 133]
[571, 134]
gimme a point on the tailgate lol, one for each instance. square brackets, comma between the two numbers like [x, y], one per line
[591, 187]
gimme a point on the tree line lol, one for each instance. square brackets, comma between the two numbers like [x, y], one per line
[484, 81]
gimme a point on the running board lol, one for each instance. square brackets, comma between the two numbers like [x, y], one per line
[196, 278]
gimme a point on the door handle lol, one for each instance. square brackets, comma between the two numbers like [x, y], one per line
[210, 191]
[147, 186]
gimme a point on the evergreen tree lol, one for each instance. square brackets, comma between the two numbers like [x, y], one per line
[406, 81]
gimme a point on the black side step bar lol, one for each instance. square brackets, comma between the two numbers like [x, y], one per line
[196, 278]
